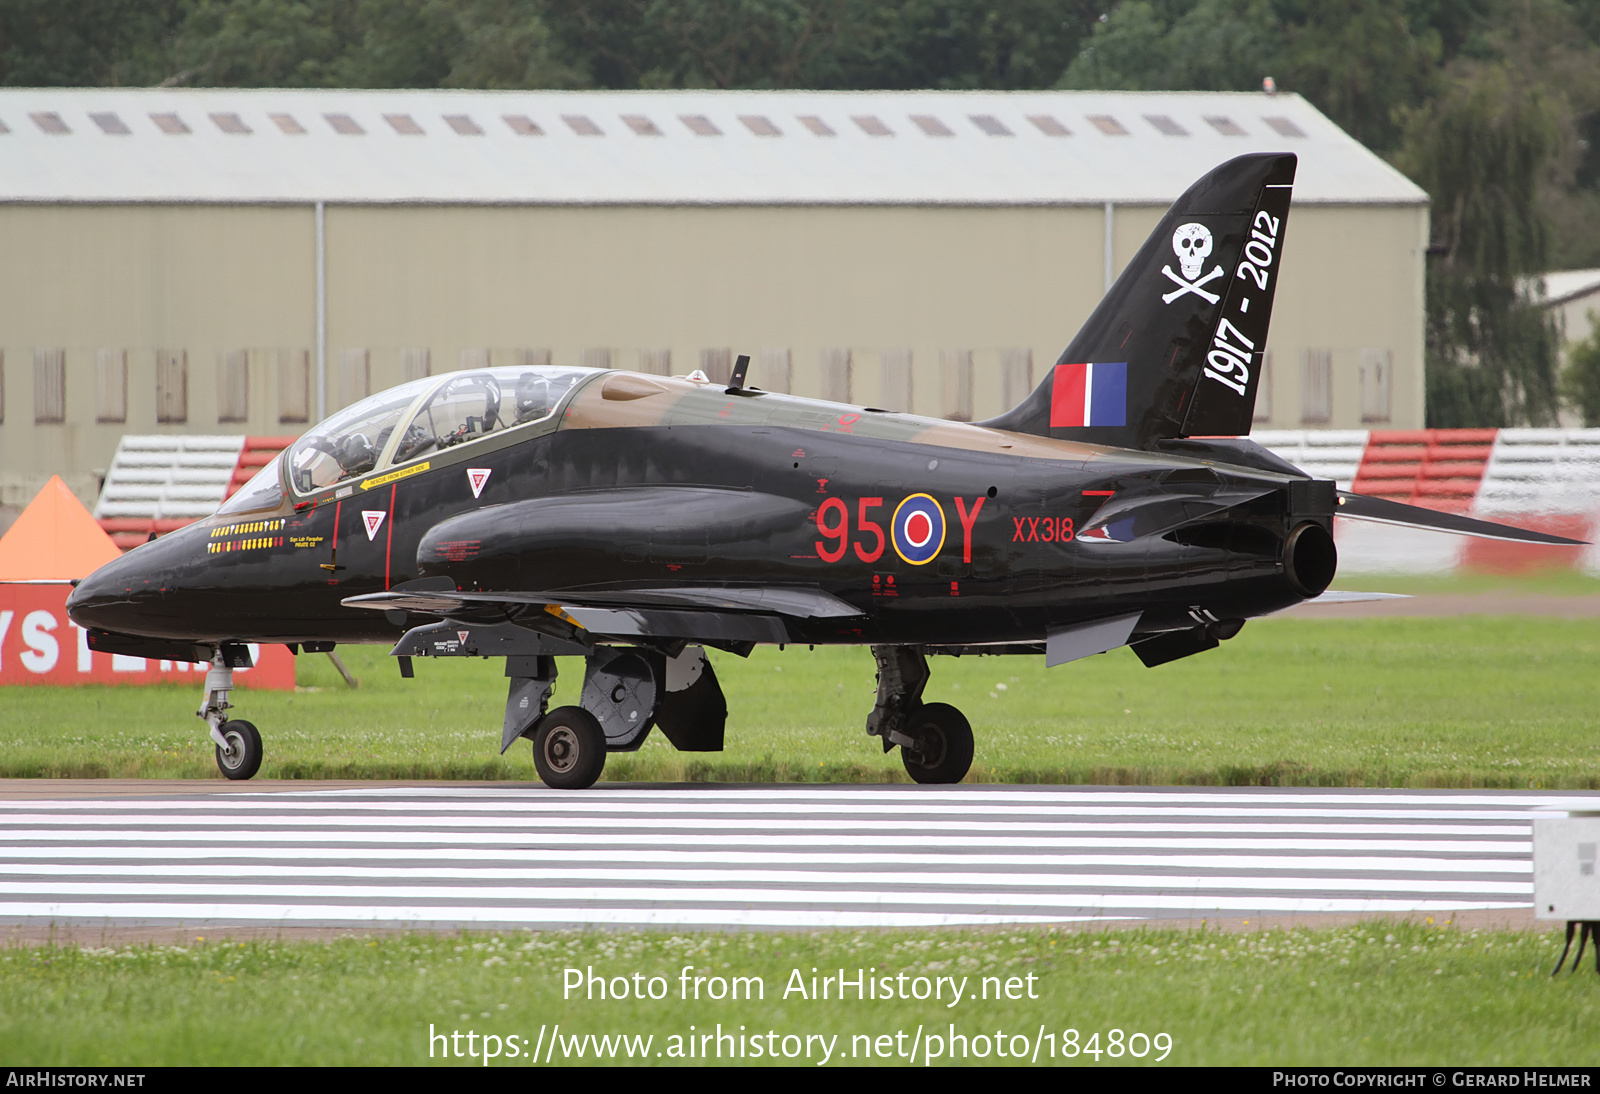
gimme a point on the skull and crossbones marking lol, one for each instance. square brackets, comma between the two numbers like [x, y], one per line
[1192, 244]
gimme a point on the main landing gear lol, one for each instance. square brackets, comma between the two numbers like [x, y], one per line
[935, 739]
[238, 741]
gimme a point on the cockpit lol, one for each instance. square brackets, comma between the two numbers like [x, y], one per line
[425, 417]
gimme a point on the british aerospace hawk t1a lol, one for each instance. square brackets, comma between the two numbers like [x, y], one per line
[533, 513]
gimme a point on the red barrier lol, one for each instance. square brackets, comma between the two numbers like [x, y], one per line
[1499, 556]
[40, 645]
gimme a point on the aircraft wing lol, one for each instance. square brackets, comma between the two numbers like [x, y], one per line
[711, 613]
[1383, 511]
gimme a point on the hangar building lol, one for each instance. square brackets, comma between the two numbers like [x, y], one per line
[240, 261]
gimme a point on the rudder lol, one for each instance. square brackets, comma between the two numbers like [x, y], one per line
[1175, 348]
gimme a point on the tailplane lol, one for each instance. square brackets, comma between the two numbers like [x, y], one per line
[1175, 348]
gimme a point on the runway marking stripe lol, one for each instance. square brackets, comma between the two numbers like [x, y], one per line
[797, 858]
[255, 807]
[937, 865]
[614, 880]
[270, 913]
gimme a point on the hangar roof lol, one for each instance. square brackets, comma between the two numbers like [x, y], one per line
[662, 147]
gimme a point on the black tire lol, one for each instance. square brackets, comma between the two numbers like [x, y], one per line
[569, 748]
[944, 744]
[243, 757]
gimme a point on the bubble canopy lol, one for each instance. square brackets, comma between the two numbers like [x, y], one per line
[426, 417]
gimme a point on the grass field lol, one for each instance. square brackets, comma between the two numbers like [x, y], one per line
[1377, 993]
[1506, 701]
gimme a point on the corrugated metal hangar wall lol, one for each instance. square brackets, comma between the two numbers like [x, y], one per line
[193, 261]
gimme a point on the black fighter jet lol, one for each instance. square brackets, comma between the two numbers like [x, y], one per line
[533, 513]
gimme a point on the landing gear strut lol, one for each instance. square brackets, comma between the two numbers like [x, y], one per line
[238, 741]
[935, 739]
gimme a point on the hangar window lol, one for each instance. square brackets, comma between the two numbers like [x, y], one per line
[1166, 125]
[463, 125]
[1225, 125]
[760, 125]
[894, 379]
[872, 125]
[172, 386]
[836, 375]
[932, 126]
[1284, 127]
[991, 125]
[523, 126]
[286, 123]
[1049, 126]
[233, 386]
[294, 385]
[230, 123]
[1107, 125]
[416, 362]
[700, 125]
[4, 128]
[345, 124]
[110, 124]
[404, 124]
[49, 386]
[111, 385]
[50, 123]
[641, 125]
[1016, 375]
[817, 125]
[581, 125]
[1377, 384]
[955, 390]
[170, 124]
[717, 364]
[777, 370]
[1316, 387]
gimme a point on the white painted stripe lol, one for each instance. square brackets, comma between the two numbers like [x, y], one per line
[690, 876]
[210, 823]
[1063, 890]
[225, 839]
[961, 796]
[13, 862]
[714, 805]
[676, 915]
[535, 857]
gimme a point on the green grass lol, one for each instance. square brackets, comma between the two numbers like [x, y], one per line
[1468, 701]
[1460, 702]
[1376, 993]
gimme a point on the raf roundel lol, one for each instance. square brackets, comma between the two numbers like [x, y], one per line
[918, 529]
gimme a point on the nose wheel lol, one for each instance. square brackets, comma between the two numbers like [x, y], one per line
[241, 757]
[238, 741]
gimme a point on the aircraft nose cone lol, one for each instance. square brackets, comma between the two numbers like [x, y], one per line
[112, 598]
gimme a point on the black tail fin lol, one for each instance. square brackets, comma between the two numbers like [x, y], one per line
[1175, 348]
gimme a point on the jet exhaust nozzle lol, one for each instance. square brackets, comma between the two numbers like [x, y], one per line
[1310, 559]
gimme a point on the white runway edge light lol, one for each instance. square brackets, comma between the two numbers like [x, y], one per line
[1566, 882]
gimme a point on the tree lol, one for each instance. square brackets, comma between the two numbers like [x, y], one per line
[1580, 380]
[1481, 151]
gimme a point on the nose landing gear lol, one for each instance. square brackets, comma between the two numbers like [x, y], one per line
[238, 741]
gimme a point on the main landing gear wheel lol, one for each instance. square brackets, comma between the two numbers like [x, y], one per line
[242, 758]
[569, 748]
[943, 751]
